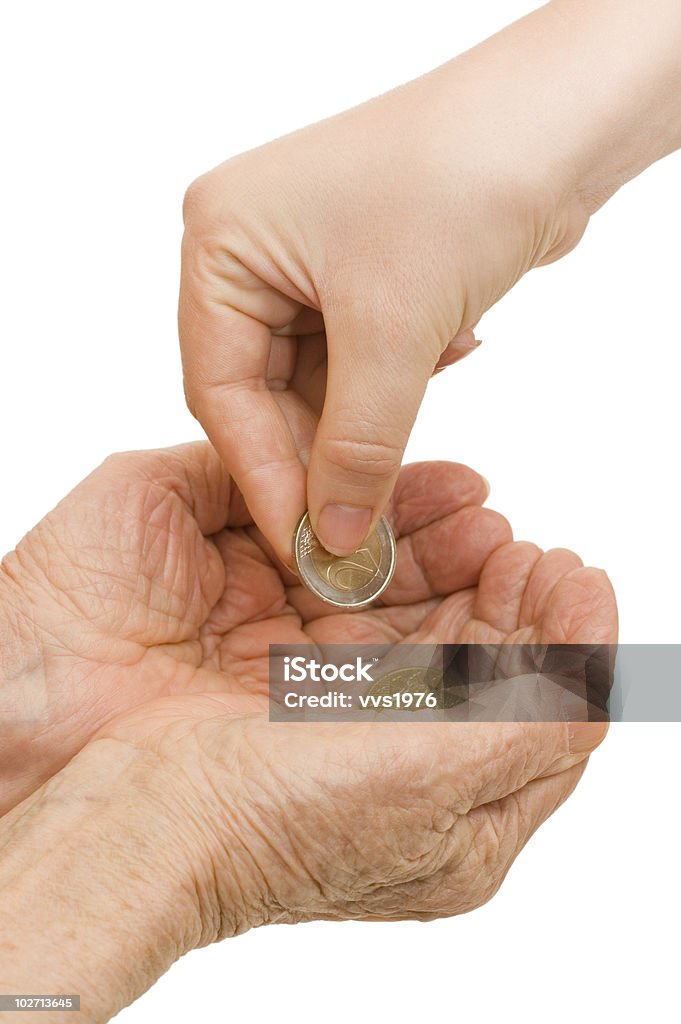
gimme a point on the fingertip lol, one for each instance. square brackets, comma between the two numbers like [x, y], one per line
[583, 737]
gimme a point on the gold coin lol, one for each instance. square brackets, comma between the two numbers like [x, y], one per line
[346, 581]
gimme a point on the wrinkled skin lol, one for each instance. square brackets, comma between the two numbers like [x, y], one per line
[150, 600]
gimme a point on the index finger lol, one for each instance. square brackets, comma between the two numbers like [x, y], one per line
[225, 356]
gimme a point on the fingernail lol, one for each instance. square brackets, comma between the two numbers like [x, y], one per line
[585, 736]
[487, 485]
[342, 528]
[458, 348]
[468, 345]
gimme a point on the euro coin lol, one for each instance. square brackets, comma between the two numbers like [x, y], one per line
[345, 581]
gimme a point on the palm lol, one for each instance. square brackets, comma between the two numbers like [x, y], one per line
[459, 579]
[161, 585]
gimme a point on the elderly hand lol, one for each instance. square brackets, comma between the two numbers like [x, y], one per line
[144, 605]
[150, 580]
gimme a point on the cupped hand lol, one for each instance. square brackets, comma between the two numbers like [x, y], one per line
[292, 822]
[150, 580]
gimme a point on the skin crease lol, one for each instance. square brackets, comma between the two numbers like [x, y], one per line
[152, 600]
[325, 273]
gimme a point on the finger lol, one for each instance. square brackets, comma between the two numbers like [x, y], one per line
[281, 362]
[516, 817]
[376, 380]
[486, 842]
[502, 584]
[446, 556]
[546, 573]
[485, 761]
[428, 491]
[456, 766]
[492, 837]
[582, 610]
[226, 357]
[254, 592]
[308, 321]
[309, 378]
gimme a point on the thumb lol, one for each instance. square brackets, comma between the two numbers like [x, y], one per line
[376, 377]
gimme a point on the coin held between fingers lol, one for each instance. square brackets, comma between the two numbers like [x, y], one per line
[345, 581]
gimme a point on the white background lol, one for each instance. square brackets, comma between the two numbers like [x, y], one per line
[570, 408]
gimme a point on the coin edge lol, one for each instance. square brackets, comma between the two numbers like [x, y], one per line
[339, 604]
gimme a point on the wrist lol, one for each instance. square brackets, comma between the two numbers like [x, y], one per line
[621, 76]
[102, 885]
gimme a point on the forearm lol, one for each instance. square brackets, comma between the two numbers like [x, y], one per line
[620, 76]
[587, 93]
[97, 896]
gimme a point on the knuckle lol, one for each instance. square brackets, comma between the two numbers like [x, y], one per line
[378, 460]
[115, 460]
[197, 198]
[124, 463]
[221, 400]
